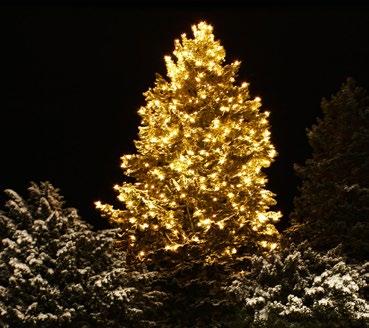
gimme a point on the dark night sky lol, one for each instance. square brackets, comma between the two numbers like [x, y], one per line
[73, 77]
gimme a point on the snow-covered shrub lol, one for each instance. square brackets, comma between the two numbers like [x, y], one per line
[56, 272]
[298, 287]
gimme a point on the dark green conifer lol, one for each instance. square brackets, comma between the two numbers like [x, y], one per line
[333, 205]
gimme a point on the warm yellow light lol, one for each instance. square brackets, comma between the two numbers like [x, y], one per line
[197, 170]
[144, 226]
[205, 222]
[264, 244]
[272, 246]
[272, 153]
[230, 195]
[190, 152]
[261, 217]
[172, 247]
[216, 123]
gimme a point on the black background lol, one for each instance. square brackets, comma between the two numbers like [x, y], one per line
[72, 79]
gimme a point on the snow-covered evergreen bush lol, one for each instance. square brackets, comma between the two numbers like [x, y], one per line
[56, 272]
[299, 287]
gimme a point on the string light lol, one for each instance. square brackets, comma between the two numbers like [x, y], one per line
[202, 145]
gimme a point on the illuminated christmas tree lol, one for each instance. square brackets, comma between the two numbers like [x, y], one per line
[202, 145]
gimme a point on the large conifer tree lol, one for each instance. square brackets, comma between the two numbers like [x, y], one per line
[202, 144]
[333, 205]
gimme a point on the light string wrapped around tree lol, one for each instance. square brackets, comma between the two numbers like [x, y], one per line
[203, 142]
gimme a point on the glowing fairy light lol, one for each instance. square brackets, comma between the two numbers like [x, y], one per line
[200, 153]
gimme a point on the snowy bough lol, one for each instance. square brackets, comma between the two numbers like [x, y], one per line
[298, 287]
[56, 272]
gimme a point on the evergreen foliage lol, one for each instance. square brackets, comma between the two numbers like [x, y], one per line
[56, 272]
[198, 169]
[299, 287]
[196, 245]
[195, 290]
[333, 205]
